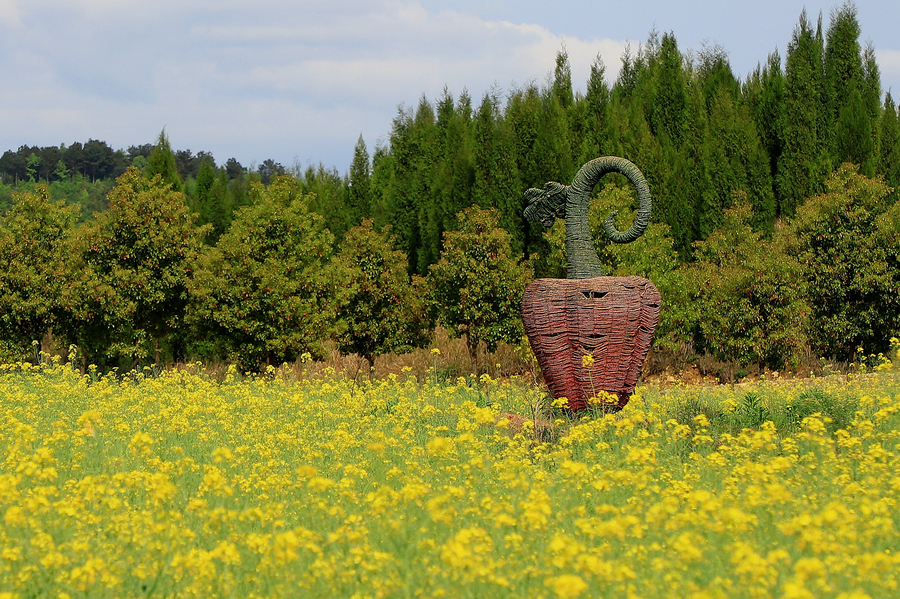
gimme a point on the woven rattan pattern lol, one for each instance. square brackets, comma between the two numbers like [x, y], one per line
[611, 319]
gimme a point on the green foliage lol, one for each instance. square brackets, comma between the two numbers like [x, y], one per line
[847, 241]
[211, 200]
[33, 267]
[266, 293]
[889, 150]
[852, 93]
[476, 288]
[764, 93]
[653, 257]
[358, 199]
[668, 107]
[698, 134]
[132, 265]
[749, 306]
[327, 194]
[497, 183]
[32, 166]
[162, 162]
[803, 164]
[384, 310]
[591, 116]
[764, 403]
[205, 177]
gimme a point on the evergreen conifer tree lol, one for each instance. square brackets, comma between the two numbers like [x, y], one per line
[206, 175]
[849, 134]
[889, 149]
[764, 93]
[667, 112]
[162, 162]
[360, 175]
[593, 116]
[803, 163]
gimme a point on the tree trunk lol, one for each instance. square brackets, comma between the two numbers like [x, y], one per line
[473, 352]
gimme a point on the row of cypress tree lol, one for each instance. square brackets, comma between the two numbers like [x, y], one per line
[695, 129]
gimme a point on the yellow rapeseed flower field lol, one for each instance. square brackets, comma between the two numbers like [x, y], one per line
[182, 486]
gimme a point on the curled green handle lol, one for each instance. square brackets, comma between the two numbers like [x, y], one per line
[572, 203]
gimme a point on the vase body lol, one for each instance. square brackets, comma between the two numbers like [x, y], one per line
[611, 319]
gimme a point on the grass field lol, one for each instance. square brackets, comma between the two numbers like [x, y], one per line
[183, 486]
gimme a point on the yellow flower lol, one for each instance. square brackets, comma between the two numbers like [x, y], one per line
[567, 585]
[561, 402]
[440, 446]
[587, 360]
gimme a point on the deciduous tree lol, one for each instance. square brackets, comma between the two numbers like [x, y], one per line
[476, 288]
[133, 263]
[847, 241]
[33, 267]
[747, 300]
[384, 309]
[265, 294]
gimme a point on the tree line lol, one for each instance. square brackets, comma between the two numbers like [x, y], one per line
[141, 282]
[696, 130]
[775, 214]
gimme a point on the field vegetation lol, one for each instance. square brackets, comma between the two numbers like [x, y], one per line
[308, 483]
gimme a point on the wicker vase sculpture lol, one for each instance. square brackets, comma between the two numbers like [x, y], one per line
[609, 319]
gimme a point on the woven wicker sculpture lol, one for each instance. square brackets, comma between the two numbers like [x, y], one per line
[610, 319]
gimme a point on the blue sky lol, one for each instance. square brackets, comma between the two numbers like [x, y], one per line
[298, 82]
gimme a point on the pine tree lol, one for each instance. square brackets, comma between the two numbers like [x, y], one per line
[206, 175]
[523, 109]
[594, 114]
[425, 197]
[360, 178]
[871, 96]
[497, 183]
[889, 149]
[453, 174]
[764, 93]
[221, 207]
[668, 108]
[562, 80]
[162, 162]
[803, 164]
[735, 159]
[327, 191]
[849, 134]
[399, 191]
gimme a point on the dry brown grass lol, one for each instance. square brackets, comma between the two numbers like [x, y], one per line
[451, 361]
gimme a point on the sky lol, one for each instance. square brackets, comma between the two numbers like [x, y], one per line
[299, 81]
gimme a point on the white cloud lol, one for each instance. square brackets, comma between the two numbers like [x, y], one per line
[9, 15]
[271, 79]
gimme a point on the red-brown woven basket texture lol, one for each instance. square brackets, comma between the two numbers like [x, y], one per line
[610, 318]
